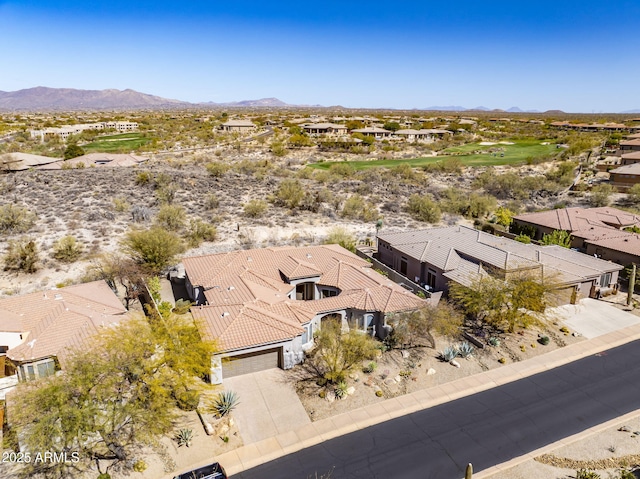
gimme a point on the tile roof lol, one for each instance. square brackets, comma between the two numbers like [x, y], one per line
[464, 253]
[53, 321]
[598, 226]
[632, 169]
[251, 286]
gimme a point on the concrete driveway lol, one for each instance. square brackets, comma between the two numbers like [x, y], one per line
[593, 318]
[268, 405]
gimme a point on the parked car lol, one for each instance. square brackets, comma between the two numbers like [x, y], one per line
[211, 471]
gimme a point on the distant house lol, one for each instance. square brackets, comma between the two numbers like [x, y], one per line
[426, 135]
[264, 305]
[594, 231]
[98, 160]
[630, 145]
[374, 131]
[38, 329]
[23, 161]
[436, 256]
[325, 129]
[238, 126]
[630, 158]
[625, 176]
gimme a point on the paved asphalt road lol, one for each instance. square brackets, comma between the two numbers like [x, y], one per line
[486, 429]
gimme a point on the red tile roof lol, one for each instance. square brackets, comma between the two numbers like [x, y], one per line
[54, 320]
[251, 287]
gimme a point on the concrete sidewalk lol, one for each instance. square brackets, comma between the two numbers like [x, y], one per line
[314, 433]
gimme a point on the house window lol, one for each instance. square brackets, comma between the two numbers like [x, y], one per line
[605, 279]
[30, 372]
[431, 279]
[328, 293]
[308, 333]
[403, 265]
[304, 291]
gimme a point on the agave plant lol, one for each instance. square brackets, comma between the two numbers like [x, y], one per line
[465, 350]
[341, 390]
[225, 402]
[184, 437]
[449, 353]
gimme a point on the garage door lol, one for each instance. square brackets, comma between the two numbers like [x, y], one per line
[251, 362]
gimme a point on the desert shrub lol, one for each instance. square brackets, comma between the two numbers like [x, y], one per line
[448, 354]
[200, 231]
[121, 205]
[154, 249]
[15, 219]
[255, 208]
[633, 193]
[187, 400]
[424, 208]
[166, 193]
[171, 217]
[22, 255]
[343, 170]
[601, 195]
[587, 474]
[73, 151]
[521, 238]
[140, 466]
[211, 202]
[356, 207]
[182, 306]
[341, 390]
[278, 148]
[557, 237]
[480, 205]
[290, 194]
[143, 178]
[217, 168]
[342, 236]
[544, 340]
[184, 437]
[67, 249]
[370, 367]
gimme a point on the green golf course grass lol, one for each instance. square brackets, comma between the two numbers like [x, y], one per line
[517, 153]
[122, 143]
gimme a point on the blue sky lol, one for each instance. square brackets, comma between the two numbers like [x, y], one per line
[577, 56]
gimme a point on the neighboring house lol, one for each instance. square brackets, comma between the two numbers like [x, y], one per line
[37, 329]
[436, 256]
[426, 135]
[630, 158]
[264, 305]
[325, 129]
[374, 131]
[109, 160]
[238, 126]
[23, 161]
[625, 176]
[629, 145]
[594, 231]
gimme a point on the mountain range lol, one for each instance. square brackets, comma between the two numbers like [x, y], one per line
[43, 98]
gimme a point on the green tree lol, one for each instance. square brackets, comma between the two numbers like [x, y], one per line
[392, 126]
[341, 236]
[504, 216]
[417, 328]
[424, 208]
[217, 168]
[116, 394]
[290, 194]
[356, 207]
[557, 237]
[171, 217]
[519, 301]
[22, 255]
[153, 249]
[337, 353]
[67, 249]
[633, 193]
[73, 151]
[601, 195]
[15, 219]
